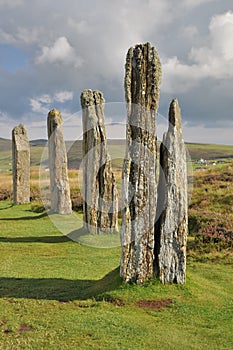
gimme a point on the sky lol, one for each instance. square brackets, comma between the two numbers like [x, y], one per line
[52, 50]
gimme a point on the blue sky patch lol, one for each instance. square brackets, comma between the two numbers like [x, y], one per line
[12, 58]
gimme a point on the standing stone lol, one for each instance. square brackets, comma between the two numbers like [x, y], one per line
[20, 165]
[59, 183]
[142, 89]
[100, 197]
[172, 227]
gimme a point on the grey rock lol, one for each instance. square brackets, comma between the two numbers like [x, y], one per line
[140, 171]
[20, 165]
[59, 183]
[100, 197]
[172, 227]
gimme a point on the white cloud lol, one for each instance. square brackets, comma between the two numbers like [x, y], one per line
[221, 30]
[28, 35]
[179, 77]
[213, 61]
[220, 37]
[43, 103]
[63, 96]
[37, 106]
[60, 52]
[25, 36]
[195, 51]
[218, 56]
[45, 98]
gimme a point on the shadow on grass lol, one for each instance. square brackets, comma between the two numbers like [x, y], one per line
[25, 218]
[73, 236]
[7, 207]
[59, 289]
[39, 239]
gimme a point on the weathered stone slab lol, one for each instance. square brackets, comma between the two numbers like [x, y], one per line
[20, 165]
[59, 183]
[142, 89]
[100, 197]
[172, 227]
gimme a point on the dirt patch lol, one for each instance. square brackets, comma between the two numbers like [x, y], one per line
[154, 304]
[24, 328]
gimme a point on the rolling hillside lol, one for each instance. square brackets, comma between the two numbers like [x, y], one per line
[116, 149]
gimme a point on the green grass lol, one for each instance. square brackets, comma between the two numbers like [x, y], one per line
[59, 294]
[209, 151]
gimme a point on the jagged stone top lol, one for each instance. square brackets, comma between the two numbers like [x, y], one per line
[92, 103]
[20, 138]
[175, 116]
[89, 98]
[20, 130]
[55, 116]
[54, 120]
[143, 60]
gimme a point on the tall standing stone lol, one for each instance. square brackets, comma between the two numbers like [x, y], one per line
[142, 89]
[20, 165]
[172, 227]
[100, 197]
[59, 183]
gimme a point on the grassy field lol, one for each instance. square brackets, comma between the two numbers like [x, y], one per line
[116, 149]
[58, 294]
[209, 152]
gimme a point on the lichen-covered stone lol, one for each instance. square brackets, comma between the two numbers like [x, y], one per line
[20, 165]
[142, 89]
[100, 197]
[59, 183]
[172, 227]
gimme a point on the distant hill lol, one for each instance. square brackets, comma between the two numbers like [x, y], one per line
[5, 144]
[39, 142]
[116, 149]
[209, 151]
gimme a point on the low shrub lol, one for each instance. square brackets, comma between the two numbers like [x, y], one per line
[213, 236]
[5, 194]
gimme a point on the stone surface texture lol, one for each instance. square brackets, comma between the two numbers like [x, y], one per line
[140, 171]
[172, 227]
[59, 183]
[100, 196]
[20, 165]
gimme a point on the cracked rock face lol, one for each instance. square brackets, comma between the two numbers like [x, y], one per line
[142, 89]
[172, 227]
[59, 183]
[20, 165]
[100, 196]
